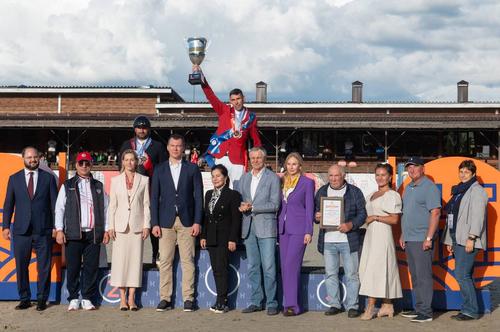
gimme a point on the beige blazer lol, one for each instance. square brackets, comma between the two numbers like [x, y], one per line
[135, 214]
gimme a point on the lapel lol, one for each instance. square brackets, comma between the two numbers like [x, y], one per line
[183, 174]
[22, 179]
[222, 200]
[135, 185]
[259, 186]
[38, 183]
[245, 185]
[168, 176]
[465, 201]
[297, 187]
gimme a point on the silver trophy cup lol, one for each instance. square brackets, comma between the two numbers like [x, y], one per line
[196, 48]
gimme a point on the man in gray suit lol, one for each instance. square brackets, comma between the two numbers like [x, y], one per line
[260, 190]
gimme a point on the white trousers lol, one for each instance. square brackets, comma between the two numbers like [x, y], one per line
[235, 172]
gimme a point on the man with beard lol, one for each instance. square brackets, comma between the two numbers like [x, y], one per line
[150, 153]
[33, 193]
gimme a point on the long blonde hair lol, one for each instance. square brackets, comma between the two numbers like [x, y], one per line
[132, 152]
[297, 156]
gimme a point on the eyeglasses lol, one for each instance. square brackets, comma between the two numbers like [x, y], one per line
[84, 163]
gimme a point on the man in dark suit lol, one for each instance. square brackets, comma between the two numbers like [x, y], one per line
[176, 215]
[33, 193]
[150, 153]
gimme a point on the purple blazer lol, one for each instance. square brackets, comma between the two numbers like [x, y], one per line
[296, 216]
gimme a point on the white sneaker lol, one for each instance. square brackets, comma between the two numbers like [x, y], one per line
[87, 305]
[74, 305]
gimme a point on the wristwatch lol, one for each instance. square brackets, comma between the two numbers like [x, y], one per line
[428, 239]
[472, 238]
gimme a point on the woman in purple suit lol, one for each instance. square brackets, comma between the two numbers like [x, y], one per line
[295, 229]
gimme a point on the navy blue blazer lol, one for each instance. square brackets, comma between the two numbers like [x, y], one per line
[39, 211]
[188, 197]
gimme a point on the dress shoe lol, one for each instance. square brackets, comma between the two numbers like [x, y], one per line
[41, 305]
[23, 305]
[272, 311]
[353, 313]
[462, 317]
[251, 308]
[332, 311]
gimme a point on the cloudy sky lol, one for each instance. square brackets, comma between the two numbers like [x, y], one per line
[306, 50]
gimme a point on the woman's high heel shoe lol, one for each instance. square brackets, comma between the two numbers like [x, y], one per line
[387, 309]
[369, 312]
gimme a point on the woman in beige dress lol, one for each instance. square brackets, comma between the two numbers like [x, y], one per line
[129, 224]
[378, 267]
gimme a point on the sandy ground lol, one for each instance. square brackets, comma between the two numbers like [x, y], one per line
[55, 318]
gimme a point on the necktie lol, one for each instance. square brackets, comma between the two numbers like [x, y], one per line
[30, 185]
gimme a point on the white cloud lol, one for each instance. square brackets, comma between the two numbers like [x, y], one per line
[304, 50]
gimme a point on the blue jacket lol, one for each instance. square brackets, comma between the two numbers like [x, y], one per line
[354, 211]
[188, 197]
[38, 212]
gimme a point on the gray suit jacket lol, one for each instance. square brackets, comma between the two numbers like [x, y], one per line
[471, 218]
[265, 204]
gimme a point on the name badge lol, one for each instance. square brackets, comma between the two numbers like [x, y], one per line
[449, 220]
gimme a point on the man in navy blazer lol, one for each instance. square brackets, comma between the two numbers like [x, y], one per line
[176, 215]
[32, 192]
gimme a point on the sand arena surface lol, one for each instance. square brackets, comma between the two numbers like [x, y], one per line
[108, 318]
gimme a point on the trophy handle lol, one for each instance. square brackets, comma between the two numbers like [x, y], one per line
[209, 42]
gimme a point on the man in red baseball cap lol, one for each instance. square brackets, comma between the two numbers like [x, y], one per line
[81, 223]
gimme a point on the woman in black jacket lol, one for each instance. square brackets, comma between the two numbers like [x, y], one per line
[220, 231]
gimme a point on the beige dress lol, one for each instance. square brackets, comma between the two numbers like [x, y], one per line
[128, 215]
[126, 258]
[378, 267]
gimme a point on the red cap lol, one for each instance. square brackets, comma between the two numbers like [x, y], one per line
[84, 156]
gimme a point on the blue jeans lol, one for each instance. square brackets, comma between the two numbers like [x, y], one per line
[350, 260]
[261, 252]
[464, 266]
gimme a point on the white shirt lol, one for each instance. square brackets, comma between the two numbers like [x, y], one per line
[175, 170]
[255, 183]
[336, 236]
[86, 207]
[27, 178]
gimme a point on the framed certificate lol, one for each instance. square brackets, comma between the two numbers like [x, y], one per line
[332, 212]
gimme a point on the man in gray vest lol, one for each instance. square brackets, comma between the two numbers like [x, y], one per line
[260, 190]
[81, 224]
[421, 211]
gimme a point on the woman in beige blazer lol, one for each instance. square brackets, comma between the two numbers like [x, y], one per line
[129, 225]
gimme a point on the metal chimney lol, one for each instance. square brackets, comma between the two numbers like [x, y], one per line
[261, 92]
[463, 91]
[357, 92]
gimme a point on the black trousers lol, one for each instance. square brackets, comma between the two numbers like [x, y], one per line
[82, 257]
[23, 245]
[219, 259]
[155, 247]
